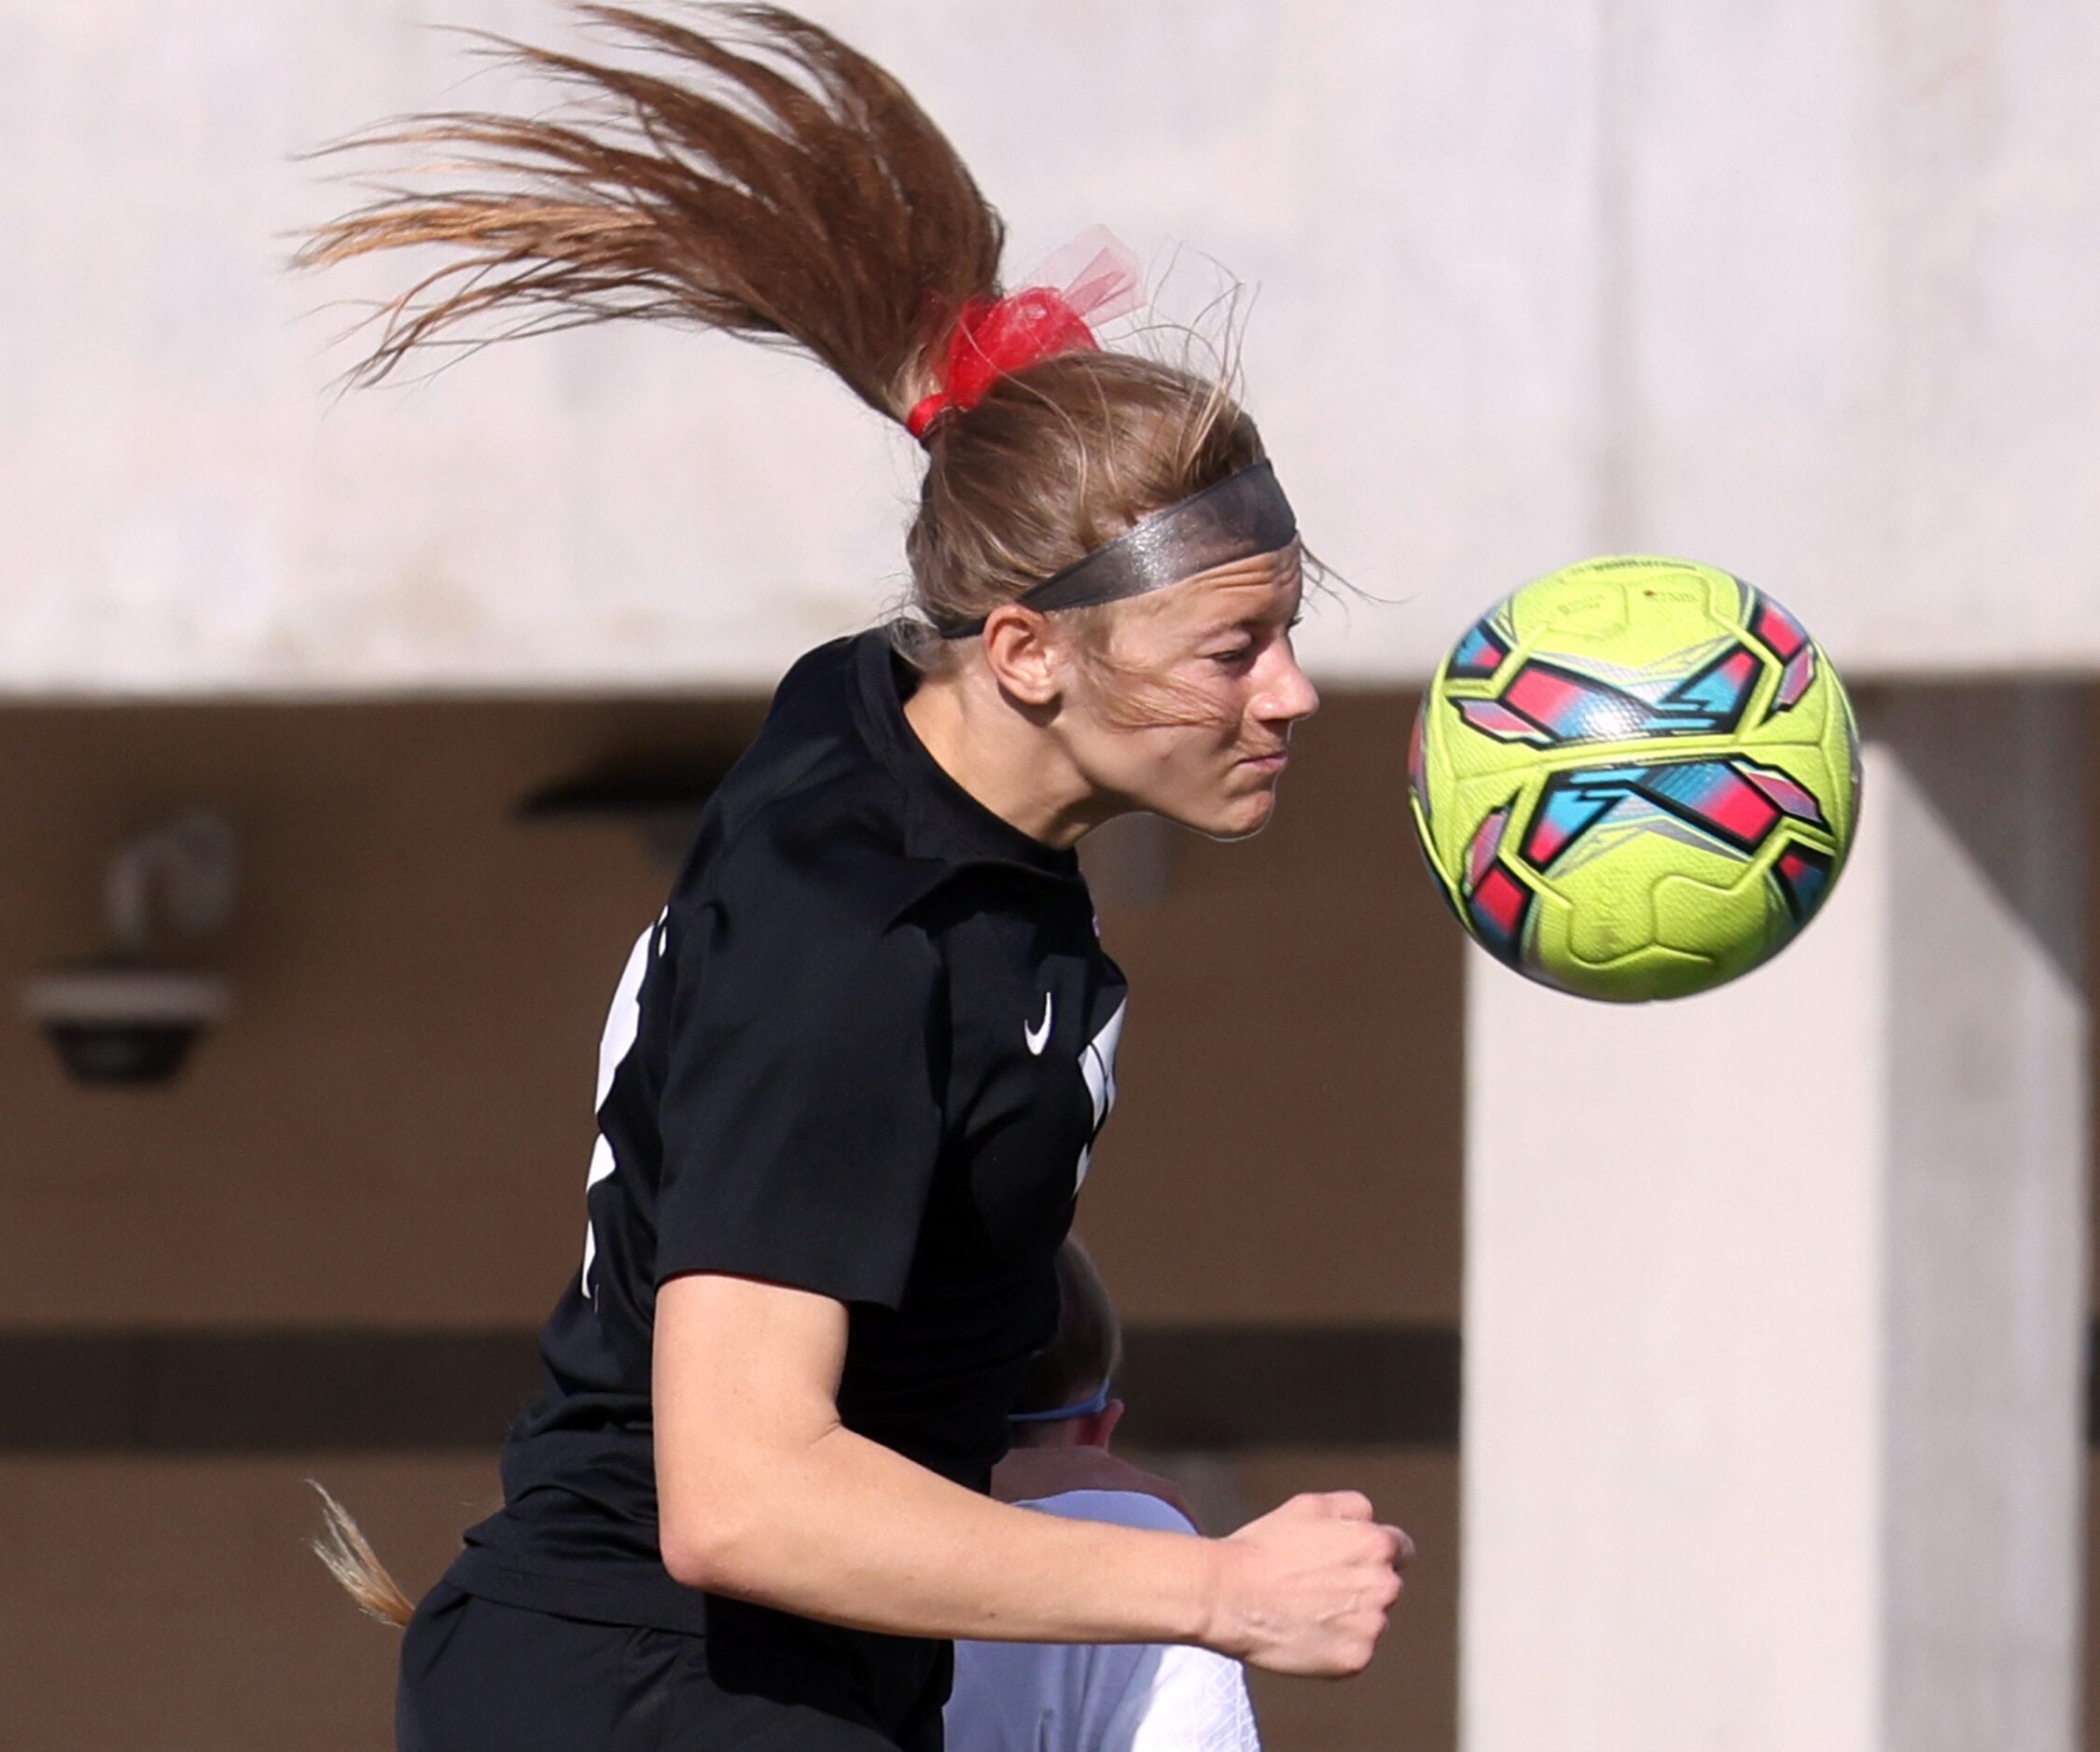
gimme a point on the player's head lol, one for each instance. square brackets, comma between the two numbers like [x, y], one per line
[1096, 533]
[1065, 1400]
[1102, 537]
[1181, 702]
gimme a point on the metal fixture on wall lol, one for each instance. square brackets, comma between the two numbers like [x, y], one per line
[659, 798]
[130, 1018]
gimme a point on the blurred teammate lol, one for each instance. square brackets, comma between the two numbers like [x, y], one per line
[1050, 1697]
[853, 1073]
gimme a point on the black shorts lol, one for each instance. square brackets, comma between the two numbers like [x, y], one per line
[479, 1677]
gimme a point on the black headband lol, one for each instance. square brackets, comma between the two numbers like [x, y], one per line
[1233, 518]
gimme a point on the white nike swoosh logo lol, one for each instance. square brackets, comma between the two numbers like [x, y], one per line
[1037, 1038]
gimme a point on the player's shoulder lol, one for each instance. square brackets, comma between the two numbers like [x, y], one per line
[827, 852]
[809, 828]
[1121, 1508]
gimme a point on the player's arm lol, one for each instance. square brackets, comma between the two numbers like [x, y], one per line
[764, 1496]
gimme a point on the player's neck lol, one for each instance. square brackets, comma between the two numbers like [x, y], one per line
[1013, 764]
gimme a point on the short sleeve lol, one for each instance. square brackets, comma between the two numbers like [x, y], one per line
[800, 1111]
[1189, 1699]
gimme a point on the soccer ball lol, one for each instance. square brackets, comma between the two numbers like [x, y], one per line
[1635, 778]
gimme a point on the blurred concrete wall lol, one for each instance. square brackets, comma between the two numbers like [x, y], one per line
[386, 1145]
[1803, 288]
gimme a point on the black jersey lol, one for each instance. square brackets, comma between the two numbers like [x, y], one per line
[865, 1051]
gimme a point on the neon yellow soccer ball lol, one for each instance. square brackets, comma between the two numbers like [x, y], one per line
[1635, 778]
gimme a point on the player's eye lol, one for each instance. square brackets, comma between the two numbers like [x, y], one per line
[1233, 656]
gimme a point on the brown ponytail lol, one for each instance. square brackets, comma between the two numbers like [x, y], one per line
[791, 189]
[784, 187]
[350, 1560]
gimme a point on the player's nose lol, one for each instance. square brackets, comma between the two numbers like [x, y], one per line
[1287, 695]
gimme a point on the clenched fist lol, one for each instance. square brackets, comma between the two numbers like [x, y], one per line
[1306, 1588]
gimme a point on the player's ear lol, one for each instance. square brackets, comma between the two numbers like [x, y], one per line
[1024, 654]
[1102, 1424]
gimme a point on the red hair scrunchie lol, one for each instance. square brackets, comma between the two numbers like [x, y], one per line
[994, 337]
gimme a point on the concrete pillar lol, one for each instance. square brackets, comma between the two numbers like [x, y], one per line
[1774, 1305]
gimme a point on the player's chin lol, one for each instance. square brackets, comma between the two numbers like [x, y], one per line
[1240, 809]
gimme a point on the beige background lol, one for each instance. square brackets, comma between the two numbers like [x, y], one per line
[1801, 288]
[1804, 288]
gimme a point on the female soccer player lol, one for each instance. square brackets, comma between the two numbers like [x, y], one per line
[852, 1072]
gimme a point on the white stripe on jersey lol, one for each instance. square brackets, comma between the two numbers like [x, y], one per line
[623, 1022]
[1097, 1064]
